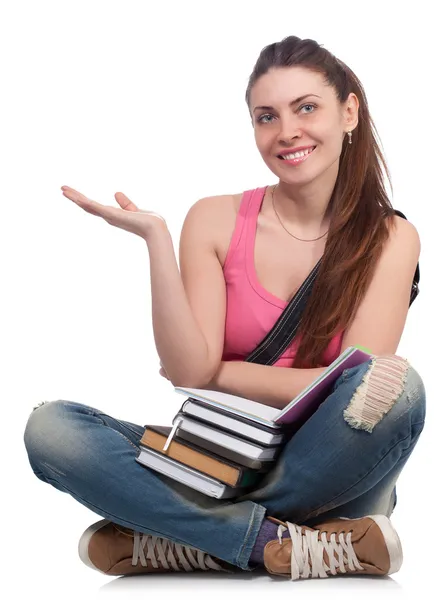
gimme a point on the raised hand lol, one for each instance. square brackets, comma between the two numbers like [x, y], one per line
[128, 216]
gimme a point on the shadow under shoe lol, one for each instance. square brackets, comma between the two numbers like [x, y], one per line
[116, 550]
[365, 546]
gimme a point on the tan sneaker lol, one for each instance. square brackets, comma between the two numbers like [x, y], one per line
[116, 550]
[365, 546]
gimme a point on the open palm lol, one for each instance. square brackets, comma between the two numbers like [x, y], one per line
[128, 216]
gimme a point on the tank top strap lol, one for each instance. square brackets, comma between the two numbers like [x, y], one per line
[245, 225]
[252, 210]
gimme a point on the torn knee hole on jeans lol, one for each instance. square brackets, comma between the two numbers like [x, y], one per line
[381, 387]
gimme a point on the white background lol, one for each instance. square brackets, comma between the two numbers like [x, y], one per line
[94, 95]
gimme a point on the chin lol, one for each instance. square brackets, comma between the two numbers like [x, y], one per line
[292, 177]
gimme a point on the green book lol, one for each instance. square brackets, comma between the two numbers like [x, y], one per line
[363, 348]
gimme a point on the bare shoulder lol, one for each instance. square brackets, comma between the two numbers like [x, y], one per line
[404, 234]
[217, 205]
[403, 244]
[218, 215]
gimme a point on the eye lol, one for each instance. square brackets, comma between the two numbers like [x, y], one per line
[260, 119]
[312, 105]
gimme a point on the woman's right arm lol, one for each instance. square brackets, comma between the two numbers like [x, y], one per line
[188, 307]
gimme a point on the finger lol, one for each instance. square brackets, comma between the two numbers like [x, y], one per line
[71, 192]
[76, 196]
[125, 202]
[79, 198]
[88, 205]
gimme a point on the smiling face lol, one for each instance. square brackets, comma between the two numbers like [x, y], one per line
[281, 124]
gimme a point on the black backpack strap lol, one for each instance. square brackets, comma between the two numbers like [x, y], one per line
[283, 332]
[415, 285]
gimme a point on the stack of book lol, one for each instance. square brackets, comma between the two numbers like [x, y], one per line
[222, 445]
[211, 451]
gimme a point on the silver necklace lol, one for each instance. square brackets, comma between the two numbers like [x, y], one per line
[294, 236]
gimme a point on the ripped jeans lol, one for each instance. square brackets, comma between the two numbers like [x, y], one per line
[344, 461]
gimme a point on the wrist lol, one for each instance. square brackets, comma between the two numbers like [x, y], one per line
[158, 229]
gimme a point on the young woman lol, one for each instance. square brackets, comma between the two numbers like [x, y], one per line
[324, 509]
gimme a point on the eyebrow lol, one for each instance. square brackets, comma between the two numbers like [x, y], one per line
[299, 99]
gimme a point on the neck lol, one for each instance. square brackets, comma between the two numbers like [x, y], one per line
[306, 207]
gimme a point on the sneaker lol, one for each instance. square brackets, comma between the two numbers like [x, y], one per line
[365, 546]
[116, 550]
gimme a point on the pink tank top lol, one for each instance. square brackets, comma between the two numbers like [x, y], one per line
[251, 310]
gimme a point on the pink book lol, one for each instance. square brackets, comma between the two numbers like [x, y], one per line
[298, 410]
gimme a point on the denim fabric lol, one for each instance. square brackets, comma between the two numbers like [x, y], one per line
[327, 469]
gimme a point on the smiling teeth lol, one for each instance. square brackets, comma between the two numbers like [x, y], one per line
[298, 154]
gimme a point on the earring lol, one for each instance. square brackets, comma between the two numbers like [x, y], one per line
[350, 137]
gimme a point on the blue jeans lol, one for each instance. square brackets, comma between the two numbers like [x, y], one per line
[327, 469]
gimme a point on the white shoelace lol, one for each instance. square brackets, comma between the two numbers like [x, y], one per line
[307, 543]
[144, 547]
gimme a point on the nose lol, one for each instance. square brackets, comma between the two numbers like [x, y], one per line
[289, 131]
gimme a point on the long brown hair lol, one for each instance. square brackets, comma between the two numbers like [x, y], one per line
[359, 225]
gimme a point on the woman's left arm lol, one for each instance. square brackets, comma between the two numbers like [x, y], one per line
[381, 316]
